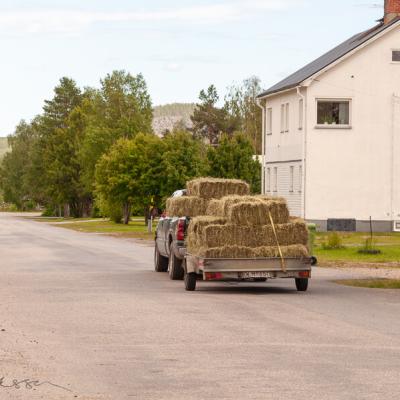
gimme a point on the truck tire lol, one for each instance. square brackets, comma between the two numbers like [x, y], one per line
[301, 284]
[175, 269]
[160, 262]
[190, 281]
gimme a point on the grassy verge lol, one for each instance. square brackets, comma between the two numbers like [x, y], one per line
[371, 283]
[348, 255]
[136, 229]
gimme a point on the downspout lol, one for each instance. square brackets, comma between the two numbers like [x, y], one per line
[304, 152]
[395, 101]
[258, 101]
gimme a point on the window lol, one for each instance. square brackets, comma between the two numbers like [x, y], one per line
[396, 55]
[282, 118]
[301, 115]
[300, 178]
[268, 179]
[287, 117]
[333, 113]
[291, 189]
[275, 179]
[269, 121]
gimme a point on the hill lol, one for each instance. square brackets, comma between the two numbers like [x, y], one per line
[3, 146]
[168, 115]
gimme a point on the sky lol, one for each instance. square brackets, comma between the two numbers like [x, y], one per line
[179, 46]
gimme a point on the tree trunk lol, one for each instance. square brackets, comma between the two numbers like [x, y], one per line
[127, 213]
[146, 215]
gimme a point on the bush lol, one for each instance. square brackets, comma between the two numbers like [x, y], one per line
[334, 242]
[312, 230]
[369, 247]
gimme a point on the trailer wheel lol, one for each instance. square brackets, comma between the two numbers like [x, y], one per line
[175, 268]
[160, 262]
[190, 281]
[301, 284]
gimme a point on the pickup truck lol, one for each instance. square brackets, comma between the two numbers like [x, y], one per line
[170, 256]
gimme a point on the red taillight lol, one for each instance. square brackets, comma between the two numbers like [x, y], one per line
[180, 230]
[213, 276]
[304, 274]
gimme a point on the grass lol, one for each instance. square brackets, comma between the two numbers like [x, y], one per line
[136, 229]
[387, 243]
[371, 283]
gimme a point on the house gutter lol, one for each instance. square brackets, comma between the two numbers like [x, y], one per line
[258, 102]
[304, 152]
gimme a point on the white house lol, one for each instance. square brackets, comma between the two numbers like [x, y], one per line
[332, 133]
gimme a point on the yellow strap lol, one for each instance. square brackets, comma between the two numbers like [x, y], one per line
[283, 264]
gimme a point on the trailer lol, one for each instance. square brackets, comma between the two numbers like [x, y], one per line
[246, 269]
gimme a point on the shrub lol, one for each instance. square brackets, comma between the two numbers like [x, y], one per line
[334, 242]
[369, 247]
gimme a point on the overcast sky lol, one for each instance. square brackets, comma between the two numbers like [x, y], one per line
[179, 46]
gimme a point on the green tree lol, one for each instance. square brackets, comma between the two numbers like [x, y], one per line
[120, 109]
[129, 173]
[16, 166]
[241, 103]
[61, 131]
[184, 158]
[209, 120]
[233, 159]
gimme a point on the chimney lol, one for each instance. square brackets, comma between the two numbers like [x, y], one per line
[392, 10]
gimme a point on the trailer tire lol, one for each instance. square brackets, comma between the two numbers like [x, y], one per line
[301, 284]
[190, 281]
[160, 262]
[175, 269]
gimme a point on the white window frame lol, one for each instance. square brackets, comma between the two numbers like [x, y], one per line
[291, 177]
[275, 180]
[283, 118]
[268, 179]
[391, 56]
[300, 178]
[269, 121]
[301, 114]
[287, 117]
[335, 100]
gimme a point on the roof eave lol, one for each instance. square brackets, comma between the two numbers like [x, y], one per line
[310, 78]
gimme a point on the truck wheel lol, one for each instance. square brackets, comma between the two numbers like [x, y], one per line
[190, 281]
[175, 269]
[301, 284]
[160, 262]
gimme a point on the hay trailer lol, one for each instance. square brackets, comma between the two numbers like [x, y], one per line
[246, 269]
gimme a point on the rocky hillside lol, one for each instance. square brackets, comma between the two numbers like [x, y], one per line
[169, 115]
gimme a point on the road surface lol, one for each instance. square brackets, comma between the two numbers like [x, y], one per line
[84, 316]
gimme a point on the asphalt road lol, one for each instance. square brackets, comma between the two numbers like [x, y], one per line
[88, 314]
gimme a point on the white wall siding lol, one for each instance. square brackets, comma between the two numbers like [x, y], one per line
[351, 173]
[285, 184]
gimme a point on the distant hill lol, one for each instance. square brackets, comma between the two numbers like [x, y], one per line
[3, 146]
[168, 115]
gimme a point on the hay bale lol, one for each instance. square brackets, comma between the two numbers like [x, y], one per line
[220, 207]
[294, 251]
[218, 235]
[196, 228]
[257, 213]
[213, 188]
[186, 206]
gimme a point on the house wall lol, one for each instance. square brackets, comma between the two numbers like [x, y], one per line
[283, 150]
[355, 173]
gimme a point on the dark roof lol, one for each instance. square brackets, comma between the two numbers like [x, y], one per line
[327, 59]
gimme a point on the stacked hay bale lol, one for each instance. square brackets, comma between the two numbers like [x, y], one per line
[199, 194]
[229, 223]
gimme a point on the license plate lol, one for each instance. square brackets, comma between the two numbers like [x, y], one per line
[254, 275]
